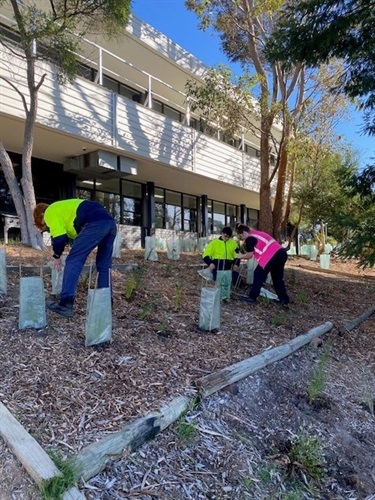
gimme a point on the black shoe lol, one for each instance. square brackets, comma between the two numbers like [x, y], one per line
[248, 300]
[284, 305]
[56, 307]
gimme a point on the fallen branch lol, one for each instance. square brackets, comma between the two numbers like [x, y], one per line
[350, 325]
[93, 458]
[31, 455]
[215, 381]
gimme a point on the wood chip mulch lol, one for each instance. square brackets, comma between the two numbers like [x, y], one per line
[68, 395]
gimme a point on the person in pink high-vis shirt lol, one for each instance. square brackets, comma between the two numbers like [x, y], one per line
[271, 258]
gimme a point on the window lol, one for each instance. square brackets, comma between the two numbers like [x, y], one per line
[110, 84]
[132, 211]
[218, 213]
[130, 93]
[131, 203]
[231, 213]
[251, 151]
[252, 217]
[111, 202]
[190, 217]
[173, 210]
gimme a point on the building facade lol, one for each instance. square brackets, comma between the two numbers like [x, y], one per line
[123, 134]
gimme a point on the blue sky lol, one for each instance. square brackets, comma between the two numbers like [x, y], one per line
[173, 19]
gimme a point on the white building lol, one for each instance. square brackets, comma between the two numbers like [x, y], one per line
[122, 134]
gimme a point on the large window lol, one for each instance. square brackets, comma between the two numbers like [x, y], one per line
[218, 217]
[132, 203]
[190, 214]
[111, 202]
[175, 210]
[252, 217]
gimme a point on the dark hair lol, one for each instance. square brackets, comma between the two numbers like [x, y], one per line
[241, 228]
[228, 231]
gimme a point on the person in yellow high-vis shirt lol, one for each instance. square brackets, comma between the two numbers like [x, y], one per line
[220, 255]
[89, 225]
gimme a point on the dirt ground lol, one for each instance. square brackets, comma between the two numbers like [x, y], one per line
[247, 442]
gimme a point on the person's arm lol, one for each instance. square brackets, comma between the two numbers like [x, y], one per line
[250, 243]
[246, 256]
[207, 257]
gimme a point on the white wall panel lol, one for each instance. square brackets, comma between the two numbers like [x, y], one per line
[87, 110]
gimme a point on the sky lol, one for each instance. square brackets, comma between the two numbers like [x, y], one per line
[173, 19]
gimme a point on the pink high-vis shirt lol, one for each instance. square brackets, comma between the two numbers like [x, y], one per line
[265, 248]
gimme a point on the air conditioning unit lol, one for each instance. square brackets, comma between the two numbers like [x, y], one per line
[127, 165]
[74, 164]
[101, 162]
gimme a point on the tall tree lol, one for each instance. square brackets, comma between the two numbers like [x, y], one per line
[314, 31]
[245, 27]
[47, 34]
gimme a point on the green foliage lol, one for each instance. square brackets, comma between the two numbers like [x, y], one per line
[186, 431]
[277, 320]
[224, 101]
[302, 297]
[307, 455]
[265, 475]
[56, 487]
[84, 281]
[355, 222]
[317, 383]
[148, 309]
[132, 283]
[313, 31]
[168, 270]
[177, 299]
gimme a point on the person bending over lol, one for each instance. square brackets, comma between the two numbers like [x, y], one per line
[271, 258]
[90, 226]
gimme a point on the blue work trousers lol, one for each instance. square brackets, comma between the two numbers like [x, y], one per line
[101, 234]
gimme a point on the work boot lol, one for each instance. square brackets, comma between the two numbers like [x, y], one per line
[248, 300]
[64, 310]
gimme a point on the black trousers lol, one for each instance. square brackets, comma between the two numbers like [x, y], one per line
[224, 265]
[276, 267]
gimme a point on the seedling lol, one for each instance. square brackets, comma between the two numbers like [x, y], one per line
[306, 454]
[168, 270]
[56, 487]
[318, 380]
[147, 310]
[302, 297]
[277, 321]
[178, 296]
[186, 431]
[132, 283]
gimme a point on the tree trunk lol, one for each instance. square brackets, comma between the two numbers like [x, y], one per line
[265, 216]
[280, 198]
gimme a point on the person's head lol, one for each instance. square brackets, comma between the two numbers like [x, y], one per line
[242, 231]
[226, 233]
[38, 213]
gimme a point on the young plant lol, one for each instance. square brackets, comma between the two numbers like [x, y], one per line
[186, 431]
[307, 454]
[168, 270]
[56, 487]
[277, 321]
[302, 297]
[178, 296]
[147, 310]
[132, 283]
[318, 380]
